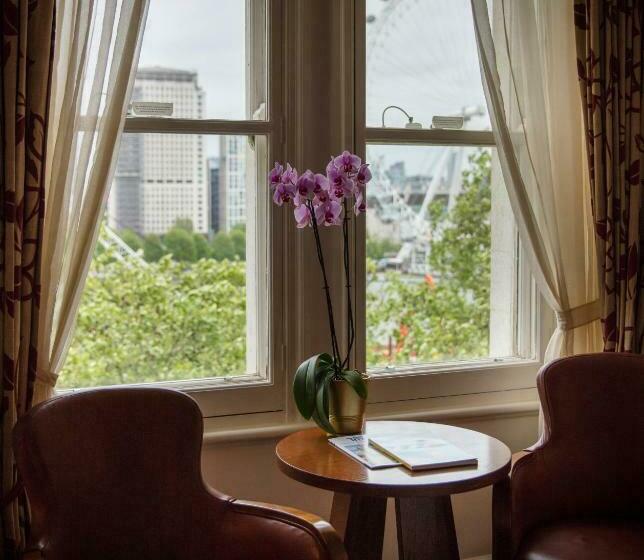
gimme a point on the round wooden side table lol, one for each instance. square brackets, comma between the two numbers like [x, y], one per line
[423, 507]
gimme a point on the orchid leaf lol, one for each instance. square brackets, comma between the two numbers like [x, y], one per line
[304, 399]
[353, 378]
[321, 412]
[305, 382]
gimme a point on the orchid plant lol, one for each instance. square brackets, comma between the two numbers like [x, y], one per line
[325, 200]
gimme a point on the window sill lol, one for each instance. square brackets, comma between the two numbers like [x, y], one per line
[449, 379]
[450, 409]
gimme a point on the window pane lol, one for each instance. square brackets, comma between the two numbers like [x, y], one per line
[440, 256]
[206, 58]
[172, 292]
[421, 56]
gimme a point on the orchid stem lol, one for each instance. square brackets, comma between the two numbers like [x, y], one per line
[347, 275]
[329, 304]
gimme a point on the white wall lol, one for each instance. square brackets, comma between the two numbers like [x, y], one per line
[249, 470]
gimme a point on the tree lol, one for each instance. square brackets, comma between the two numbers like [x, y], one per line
[460, 246]
[446, 314]
[184, 224]
[238, 238]
[222, 247]
[379, 248]
[141, 322]
[202, 249]
[180, 244]
[132, 238]
[153, 249]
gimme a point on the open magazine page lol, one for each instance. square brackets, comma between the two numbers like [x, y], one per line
[419, 453]
[359, 449]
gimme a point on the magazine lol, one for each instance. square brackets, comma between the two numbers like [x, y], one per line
[359, 449]
[422, 453]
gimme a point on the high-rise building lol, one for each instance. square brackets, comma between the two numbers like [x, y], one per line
[213, 177]
[162, 178]
[232, 181]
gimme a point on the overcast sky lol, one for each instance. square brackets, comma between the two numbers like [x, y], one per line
[421, 55]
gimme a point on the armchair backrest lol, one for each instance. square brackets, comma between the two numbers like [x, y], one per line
[591, 459]
[115, 473]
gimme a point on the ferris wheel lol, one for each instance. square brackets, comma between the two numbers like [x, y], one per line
[421, 55]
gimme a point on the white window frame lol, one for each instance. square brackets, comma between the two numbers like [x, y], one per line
[440, 379]
[264, 391]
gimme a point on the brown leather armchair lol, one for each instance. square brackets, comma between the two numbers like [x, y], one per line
[115, 474]
[579, 493]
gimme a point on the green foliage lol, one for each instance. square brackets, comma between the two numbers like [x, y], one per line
[311, 387]
[131, 238]
[153, 249]
[184, 224]
[202, 249]
[187, 246]
[181, 245]
[238, 238]
[158, 321]
[379, 248]
[446, 314]
[222, 247]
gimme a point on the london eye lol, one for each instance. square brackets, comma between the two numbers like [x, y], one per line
[420, 55]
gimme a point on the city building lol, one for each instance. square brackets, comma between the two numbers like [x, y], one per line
[232, 181]
[161, 178]
[213, 178]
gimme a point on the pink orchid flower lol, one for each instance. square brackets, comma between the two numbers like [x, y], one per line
[321, 183]
[364, 175]
[304, 186]
[328, 213]
[305, 183]
[302, 216]
[320, 197]
[275, 174]
[347, 162]
[285, 190]
[339, 184]
[360, 206]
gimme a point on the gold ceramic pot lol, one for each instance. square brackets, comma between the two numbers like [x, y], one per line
[346, 408]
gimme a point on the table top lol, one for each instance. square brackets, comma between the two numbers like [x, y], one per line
[308, 457]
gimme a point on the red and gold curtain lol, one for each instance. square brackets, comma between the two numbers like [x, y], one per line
[609, 53]
[27, 60]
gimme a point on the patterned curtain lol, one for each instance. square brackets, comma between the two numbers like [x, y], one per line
[609, 60]
[27, 61]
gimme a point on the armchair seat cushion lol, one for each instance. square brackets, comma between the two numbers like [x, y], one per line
[590, 540]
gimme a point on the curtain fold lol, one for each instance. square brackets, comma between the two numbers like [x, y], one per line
[609, 61]
[526, 52]
[95, 63]
[27, 60]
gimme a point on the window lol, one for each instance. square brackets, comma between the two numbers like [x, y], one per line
[200, 283]
[177, 291]
[444, 285]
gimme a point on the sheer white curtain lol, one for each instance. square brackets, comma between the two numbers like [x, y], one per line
[528, 64]
[96, 54]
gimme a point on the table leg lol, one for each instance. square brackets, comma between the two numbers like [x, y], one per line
[360, 520]
[426, 529]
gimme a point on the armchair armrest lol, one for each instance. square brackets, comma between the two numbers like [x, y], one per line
[329, 543]
[502, 538]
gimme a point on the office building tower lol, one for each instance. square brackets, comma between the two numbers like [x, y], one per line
[232, 181]
[162, 178]
[213, 177]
